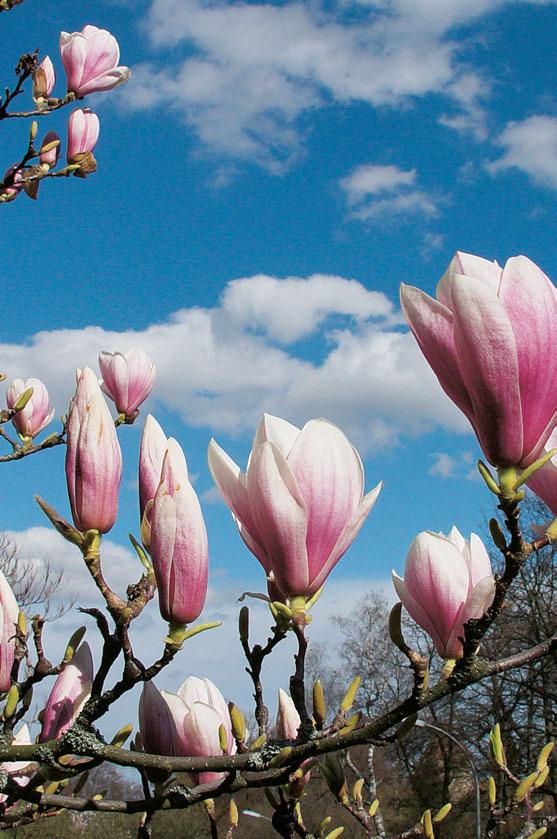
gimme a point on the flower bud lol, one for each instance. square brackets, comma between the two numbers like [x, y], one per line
[93, 458]
[36, 414]
[288, 718]
[50, 156]
[128, 379]
[83, 133]
[178, 542]
[44, 79]
[69, 694]
[447, 581]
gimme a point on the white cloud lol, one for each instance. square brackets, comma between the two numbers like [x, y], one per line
[246, 72]
[531, 146]
[444, 465]
[221, 367]
[454, 466]
[374, 191]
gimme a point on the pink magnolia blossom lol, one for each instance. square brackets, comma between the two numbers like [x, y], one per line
[50, 157]
[83, 133]
[44, 79]
[544, 481]
[447, 581]
[288, 718]
[69, 694]
[178, 542]
[198, 710]
[128, 379]
[38, 412]
[93, 458]
[156, 723]
[90, 59]
[491, 340]
[14, 767]
[300, 503]
[9, 612]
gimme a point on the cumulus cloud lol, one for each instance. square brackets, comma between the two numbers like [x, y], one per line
[355, 364]
[531, 146]
[374, 191]
[242, 74]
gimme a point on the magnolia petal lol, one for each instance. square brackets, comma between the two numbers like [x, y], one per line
[330, 478]
[489, 369]
[157, 726]
[278, 431]
[526, 289]
[417, 612]
[280, 517]
[478, 602]
[432, 325]
[347, 536]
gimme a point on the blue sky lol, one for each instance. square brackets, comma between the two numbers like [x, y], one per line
[265, 181]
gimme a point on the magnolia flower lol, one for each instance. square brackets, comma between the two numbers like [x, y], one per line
[13, 176]
[300, 503]
[288, 719]
[491, 340]
[93, 458]
[198, 711]
[38, 412]
[69, 694]
[447, 581]
[44, 79]
[128, 379]
[178, 542]
[9, 612]
[90, 59]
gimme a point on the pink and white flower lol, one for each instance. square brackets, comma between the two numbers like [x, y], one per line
[300, 503]
[38, 412]
[90, 59]
[447, 582]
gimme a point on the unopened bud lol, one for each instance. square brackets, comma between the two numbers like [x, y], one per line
[350, 694]
[442, 813]
[525, 786]
[233, 813]
[223, 739]
[258, 743]
[281, 757]
[22, 624]
[543, 756]
[537, 834]
[357, 790]
[33, 130]
[243, 624]
[351, 723]
[338, 831]
[209, 805]
[491, 791]
[497, 534]
[428, 825]
[11, 702]
[74, 643]
[406, 726]
[323, 825]
[319, 706]
[496, 746]
[51, 788]
[395, 627]
[238, 722]
[23, 399]
[539, 806]
[121, 736]
[373, 807]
